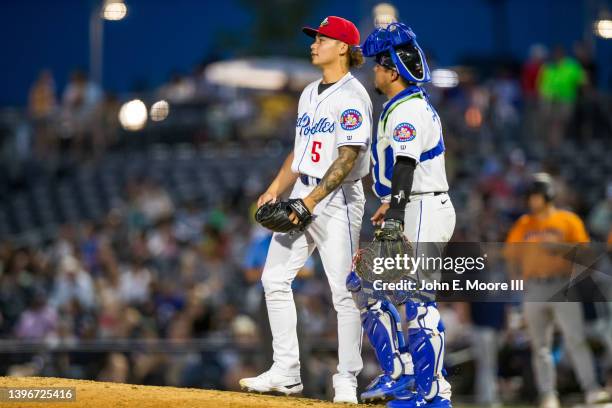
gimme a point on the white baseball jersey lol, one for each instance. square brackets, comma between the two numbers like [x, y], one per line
[409, 126]
[341, 115]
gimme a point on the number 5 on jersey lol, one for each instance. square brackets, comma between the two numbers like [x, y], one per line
[315, 156]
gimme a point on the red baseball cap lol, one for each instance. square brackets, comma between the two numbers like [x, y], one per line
[337, 28]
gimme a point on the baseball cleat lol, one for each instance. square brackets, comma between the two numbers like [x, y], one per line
[599, 396]
[346, 395]
[414, 400]
[384, 387]
[550, 401]
[345, 389]
[272, 382]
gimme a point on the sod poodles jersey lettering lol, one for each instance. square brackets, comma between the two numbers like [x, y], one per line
[340, 116]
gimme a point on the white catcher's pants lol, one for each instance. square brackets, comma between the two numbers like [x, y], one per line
[335, 233]
[430, 219]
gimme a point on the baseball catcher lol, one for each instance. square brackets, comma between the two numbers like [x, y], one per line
[410, 180]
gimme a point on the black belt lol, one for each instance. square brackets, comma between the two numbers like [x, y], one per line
[314, 181]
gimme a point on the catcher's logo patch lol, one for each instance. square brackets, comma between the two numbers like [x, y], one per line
[351, 119]
[404, 132]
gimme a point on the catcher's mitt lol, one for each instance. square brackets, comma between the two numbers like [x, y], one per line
[388, 242]
[275, 216]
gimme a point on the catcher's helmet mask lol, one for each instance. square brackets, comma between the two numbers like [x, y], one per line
[408, 55]
[399, 43]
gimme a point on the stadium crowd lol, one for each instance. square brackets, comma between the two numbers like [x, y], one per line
[161, 269]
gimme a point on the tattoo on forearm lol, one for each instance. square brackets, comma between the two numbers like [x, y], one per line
[336, 173]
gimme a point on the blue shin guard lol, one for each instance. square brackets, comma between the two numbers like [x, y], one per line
[382, 325]
[426, 345]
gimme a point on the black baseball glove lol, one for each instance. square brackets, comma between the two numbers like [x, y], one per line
[275, 216]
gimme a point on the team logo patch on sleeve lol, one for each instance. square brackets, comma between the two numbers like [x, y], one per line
[404, 132]
[351, 119]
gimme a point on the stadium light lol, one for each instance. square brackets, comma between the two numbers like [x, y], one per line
[444, 78]
[114, 10]
[384, 14]
[159, 111]
[603, 28]
[133, 115]
[110, 10]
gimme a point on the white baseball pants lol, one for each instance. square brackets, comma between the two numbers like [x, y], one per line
[335, 233]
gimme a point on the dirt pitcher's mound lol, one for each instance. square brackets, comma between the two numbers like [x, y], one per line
[92, 394]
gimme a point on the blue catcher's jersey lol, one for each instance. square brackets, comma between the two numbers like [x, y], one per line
[409, 126]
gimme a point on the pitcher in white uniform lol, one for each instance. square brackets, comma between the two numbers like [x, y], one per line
[410, 179]
[330, 156]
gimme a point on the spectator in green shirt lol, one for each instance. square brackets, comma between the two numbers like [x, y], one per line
[558, 84]
[560, 79]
